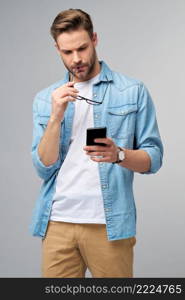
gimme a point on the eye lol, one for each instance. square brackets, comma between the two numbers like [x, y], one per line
[82, 48]
[67, 52]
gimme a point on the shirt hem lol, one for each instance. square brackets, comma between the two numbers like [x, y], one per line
[71, 220]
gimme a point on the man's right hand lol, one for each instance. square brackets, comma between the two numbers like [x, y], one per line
[60, 98]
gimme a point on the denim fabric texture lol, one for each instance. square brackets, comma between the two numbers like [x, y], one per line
[128, 113]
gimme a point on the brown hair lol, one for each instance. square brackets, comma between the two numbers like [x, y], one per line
[71, 19]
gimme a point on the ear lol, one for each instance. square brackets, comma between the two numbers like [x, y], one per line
[95, 39]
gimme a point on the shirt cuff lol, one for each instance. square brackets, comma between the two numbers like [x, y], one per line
[155, 159]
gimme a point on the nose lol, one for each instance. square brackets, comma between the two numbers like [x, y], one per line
[76, 58]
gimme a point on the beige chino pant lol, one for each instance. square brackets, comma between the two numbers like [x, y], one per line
[70, 248]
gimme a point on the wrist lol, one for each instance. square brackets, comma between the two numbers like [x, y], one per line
[55, 120]
[120, 155]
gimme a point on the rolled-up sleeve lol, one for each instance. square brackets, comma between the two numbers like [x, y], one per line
[44, 172]
[147, 136]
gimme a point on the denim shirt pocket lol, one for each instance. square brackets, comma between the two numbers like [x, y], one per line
[121, 120]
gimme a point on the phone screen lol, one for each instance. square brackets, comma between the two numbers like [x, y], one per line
[93, 133]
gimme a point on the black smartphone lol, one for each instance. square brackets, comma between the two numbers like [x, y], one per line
[94, 133]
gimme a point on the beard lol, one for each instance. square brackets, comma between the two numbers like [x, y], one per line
[83, 71]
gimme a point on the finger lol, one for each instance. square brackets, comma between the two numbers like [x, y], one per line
[69, 93]
[106, 141]
[104, 159]
[72, 94]
[64, 89]
[73, 90]
[68, 99]
[104, 154]
[70, 83]
[95, 148]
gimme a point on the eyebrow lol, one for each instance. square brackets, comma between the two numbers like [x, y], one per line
[81, 46]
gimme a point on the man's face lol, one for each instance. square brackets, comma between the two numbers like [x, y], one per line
[78, 53]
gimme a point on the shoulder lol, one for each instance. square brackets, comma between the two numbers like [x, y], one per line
[129, 89]
[123, 81]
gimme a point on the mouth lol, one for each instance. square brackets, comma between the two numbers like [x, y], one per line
[79, 69]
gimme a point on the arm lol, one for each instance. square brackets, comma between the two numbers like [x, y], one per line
[136, 160]
[146, 157]
[48, 148]
[45, 146]
[44, 171]
[147, 136]
[148, 153]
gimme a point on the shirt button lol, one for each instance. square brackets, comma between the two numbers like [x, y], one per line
[94, 95]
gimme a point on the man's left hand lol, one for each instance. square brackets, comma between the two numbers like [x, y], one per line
[109, 152]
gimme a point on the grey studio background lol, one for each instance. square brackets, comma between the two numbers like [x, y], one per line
[143, 39]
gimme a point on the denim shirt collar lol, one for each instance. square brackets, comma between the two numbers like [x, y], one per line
[105, 73]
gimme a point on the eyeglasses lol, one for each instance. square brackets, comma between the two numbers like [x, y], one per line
[93, 102]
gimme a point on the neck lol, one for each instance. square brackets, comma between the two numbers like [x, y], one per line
[96, 69]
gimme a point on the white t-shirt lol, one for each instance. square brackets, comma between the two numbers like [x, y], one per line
[78, 196]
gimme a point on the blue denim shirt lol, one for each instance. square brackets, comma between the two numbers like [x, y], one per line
[129, 115]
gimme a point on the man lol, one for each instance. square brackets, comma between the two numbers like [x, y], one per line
[85, 211]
